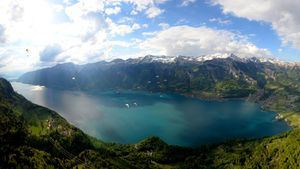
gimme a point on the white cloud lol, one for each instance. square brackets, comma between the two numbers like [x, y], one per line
[153, 12]
[20, 19]
[283, 15]
[121, 29]
[121, 44]
[89, 51]
[25, 24]
[133, 12]
[136, 26]
[187, 2]
[145, 25]
[220, 21]
[82, 8]
[2, 34]
[150, 7]
[193, 41]
[182, 21]
[49, 53]
[149, 33]
[144, 4]
[125, 19]
[164, 25]
[82, 30]
[15, 59]
[29, 25]
[113, 11]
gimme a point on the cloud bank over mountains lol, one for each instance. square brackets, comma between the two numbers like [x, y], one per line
[282, 15]
[192, 41]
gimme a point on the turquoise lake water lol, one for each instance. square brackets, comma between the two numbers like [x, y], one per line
[129, 117]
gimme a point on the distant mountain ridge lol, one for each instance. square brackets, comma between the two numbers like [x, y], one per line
[201, 58]
[221, 76]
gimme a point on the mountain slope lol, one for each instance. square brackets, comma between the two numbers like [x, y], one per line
[218, 77]
[36, 125]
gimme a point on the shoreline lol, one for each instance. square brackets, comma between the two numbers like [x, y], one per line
[247, 99]
[188, 95]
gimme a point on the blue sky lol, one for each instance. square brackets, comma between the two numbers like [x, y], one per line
[35, 34]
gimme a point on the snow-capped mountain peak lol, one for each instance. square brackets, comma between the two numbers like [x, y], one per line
[162, 59]
[202, 58]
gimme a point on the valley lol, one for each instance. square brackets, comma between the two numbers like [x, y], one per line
[275, 87]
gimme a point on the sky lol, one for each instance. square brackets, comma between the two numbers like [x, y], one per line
[36, 34]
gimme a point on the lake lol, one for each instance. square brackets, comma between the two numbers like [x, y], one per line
[130, 116]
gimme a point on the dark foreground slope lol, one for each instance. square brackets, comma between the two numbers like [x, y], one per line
[32, 136]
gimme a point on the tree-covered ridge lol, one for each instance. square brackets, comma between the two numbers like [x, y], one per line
[36, 125]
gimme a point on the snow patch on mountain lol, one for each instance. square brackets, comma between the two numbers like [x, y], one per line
[202, 58]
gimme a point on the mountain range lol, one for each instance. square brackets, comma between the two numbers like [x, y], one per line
[224, 76]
